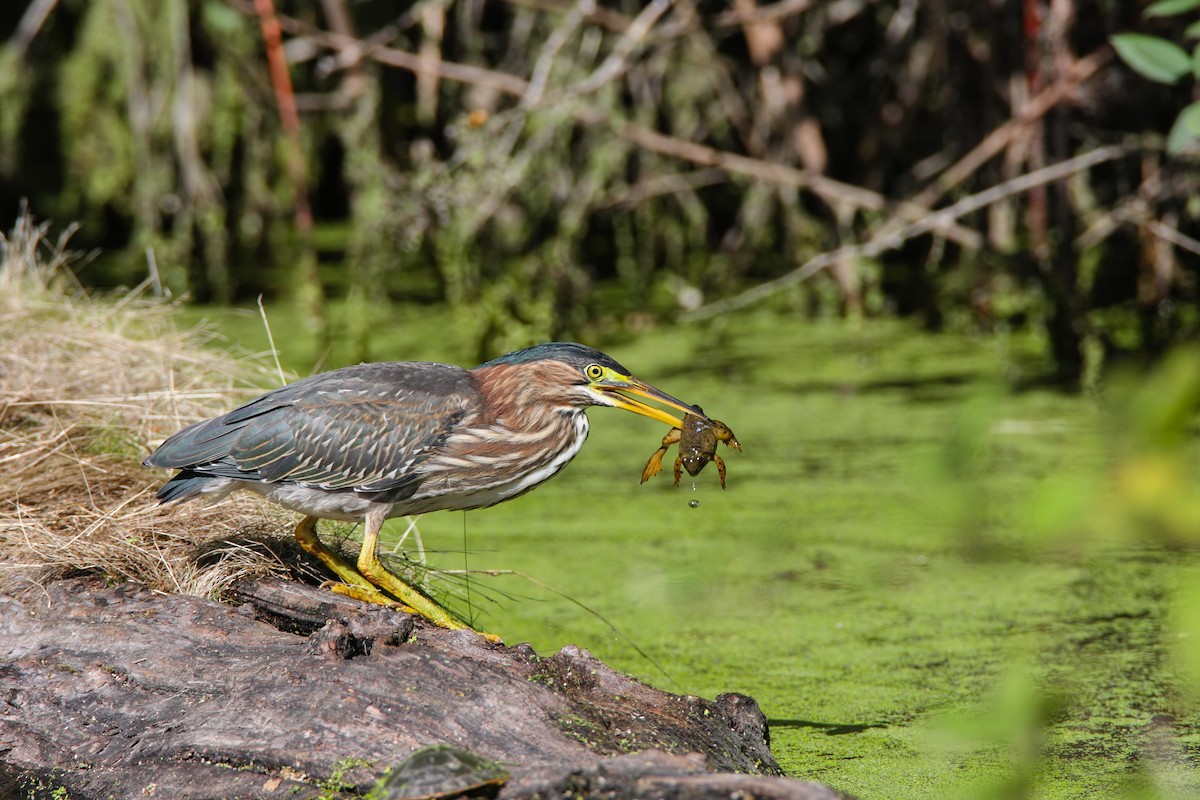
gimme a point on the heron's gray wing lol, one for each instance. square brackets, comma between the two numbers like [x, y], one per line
[364, 427]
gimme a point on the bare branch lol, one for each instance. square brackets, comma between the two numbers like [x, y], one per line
[672, 183]
[32, 20]
[833, 191]
[998, 139]
[618, 60]
[604, 17]
[550, 50]
[763, 14]
[618, 22]
[890, 240]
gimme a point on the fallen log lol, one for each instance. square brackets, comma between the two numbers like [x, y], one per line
[116, 691]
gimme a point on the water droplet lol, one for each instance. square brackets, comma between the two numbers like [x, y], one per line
[693, 486]
[694, 503]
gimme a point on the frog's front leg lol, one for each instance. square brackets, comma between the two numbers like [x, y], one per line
[720, 468]
[673, 436]
[678, 468]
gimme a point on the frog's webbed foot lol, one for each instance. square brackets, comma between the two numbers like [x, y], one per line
[654, 465]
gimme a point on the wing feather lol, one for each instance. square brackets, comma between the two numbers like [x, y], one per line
[366, 428]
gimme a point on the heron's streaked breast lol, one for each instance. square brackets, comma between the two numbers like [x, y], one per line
[464, 477]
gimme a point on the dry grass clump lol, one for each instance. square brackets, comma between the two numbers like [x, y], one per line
[87, 387]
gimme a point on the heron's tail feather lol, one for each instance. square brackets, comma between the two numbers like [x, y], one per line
[188, 485]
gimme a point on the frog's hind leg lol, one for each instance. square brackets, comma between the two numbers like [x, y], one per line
[720, 468]
[654, 465]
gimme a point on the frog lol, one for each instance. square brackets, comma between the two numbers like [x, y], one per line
[697, 440]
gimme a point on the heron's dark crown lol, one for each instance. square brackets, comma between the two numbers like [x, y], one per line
[576, 355]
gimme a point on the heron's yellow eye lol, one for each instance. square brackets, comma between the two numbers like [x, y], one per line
[594, 371]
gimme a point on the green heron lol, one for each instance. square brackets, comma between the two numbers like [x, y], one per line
[382, 440]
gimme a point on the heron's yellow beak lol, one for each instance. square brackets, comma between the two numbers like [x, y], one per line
[618, 388]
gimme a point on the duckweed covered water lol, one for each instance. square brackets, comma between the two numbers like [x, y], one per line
[921, 568]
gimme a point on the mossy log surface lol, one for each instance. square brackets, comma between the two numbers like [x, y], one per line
[115, 691]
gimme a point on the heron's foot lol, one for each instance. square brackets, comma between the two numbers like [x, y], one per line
[370, 594]
[377, 574]
[372, 583]
[367, 594]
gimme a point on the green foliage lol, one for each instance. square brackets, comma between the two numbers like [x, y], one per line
[528, 197]
[39, 787]
[1186, 128]
[1153, 57]
[1170, 8]
[153, 136]
[337, 783]
[15, 87]
[1163, 61]
[1161, 406]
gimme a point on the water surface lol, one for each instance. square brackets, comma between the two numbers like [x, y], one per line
[904, 570]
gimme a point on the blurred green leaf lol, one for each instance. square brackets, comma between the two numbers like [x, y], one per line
[1152, 57]
[1170, 8]
[1185, 130]
[1013, 721]
[1192, 31]
[1060, 506]
[1165, 401]
[221, 19]
[1186, 627]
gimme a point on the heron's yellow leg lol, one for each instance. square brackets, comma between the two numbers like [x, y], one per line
[370, 567]
[367, 594]
[353, 585]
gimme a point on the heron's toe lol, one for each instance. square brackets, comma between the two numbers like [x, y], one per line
[367, 594]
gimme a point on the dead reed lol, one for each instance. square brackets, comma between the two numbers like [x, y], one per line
[87, 386]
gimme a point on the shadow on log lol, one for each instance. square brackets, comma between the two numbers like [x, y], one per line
[299, 693]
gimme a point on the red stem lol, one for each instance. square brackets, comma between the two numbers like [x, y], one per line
[285, 97]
